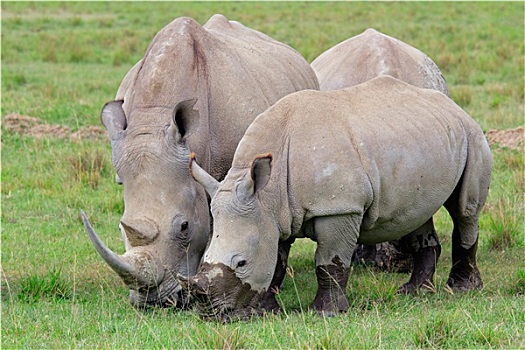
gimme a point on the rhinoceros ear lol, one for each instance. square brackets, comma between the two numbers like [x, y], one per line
[201, 176]
[185, 120]
[259, 173]
[113, 117]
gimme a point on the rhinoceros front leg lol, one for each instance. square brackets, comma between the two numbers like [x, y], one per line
[336, 238]
[267, 300]
[331, 296]
[424, 245]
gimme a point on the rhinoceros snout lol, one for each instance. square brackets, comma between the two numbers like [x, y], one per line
[138, 269]
[220, 294]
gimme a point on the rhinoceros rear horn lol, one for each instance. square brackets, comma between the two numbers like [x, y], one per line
[126, 270]
[202, 177]
[113, 117]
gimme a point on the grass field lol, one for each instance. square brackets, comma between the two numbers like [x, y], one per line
[62, 60]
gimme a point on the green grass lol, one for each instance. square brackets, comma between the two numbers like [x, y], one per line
[36, 288]
[62, 60]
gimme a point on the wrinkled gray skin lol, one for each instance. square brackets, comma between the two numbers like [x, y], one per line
[364, 57]
[196, 90]
[339, 184]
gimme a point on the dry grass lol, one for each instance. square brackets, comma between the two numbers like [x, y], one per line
[87, 167]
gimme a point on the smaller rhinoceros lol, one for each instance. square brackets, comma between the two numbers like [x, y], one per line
[390, 157]
[364, 57]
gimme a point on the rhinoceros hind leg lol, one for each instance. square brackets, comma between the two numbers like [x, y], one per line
[331, 297]
[425, 248]
[464, 206]
[387, 256]
[464, 274]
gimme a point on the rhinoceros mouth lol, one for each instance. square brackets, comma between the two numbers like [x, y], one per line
[168, 294]
[227, 313]
[221, 296]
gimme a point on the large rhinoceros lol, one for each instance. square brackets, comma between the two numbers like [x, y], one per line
[196, 89]
[364, 57]
[341, 183]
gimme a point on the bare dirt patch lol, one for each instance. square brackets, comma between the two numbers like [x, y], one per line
[508, 138]
[89, 132]
[26, 125]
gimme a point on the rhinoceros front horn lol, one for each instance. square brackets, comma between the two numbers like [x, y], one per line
[123, 267]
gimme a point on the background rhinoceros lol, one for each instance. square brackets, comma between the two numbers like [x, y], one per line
[343, 183]
[364, 57]
[371, 54]
[196, 89]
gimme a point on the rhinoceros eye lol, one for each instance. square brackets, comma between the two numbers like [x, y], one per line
[241, 263]
[181, 231]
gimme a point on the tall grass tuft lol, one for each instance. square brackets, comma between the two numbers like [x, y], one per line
[504, 210]
[505, 228]
[222, 337]
[520, 284]
[331, 340]
[434, 333]
[88, 167]
[52, 286]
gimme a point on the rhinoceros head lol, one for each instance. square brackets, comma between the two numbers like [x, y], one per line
[165, 226]
[239, 263]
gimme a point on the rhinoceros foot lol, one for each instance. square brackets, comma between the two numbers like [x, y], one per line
[464, 275]
[409, 288]
[331, 297]
[332, 308]
[462, 283]
[422, 277]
